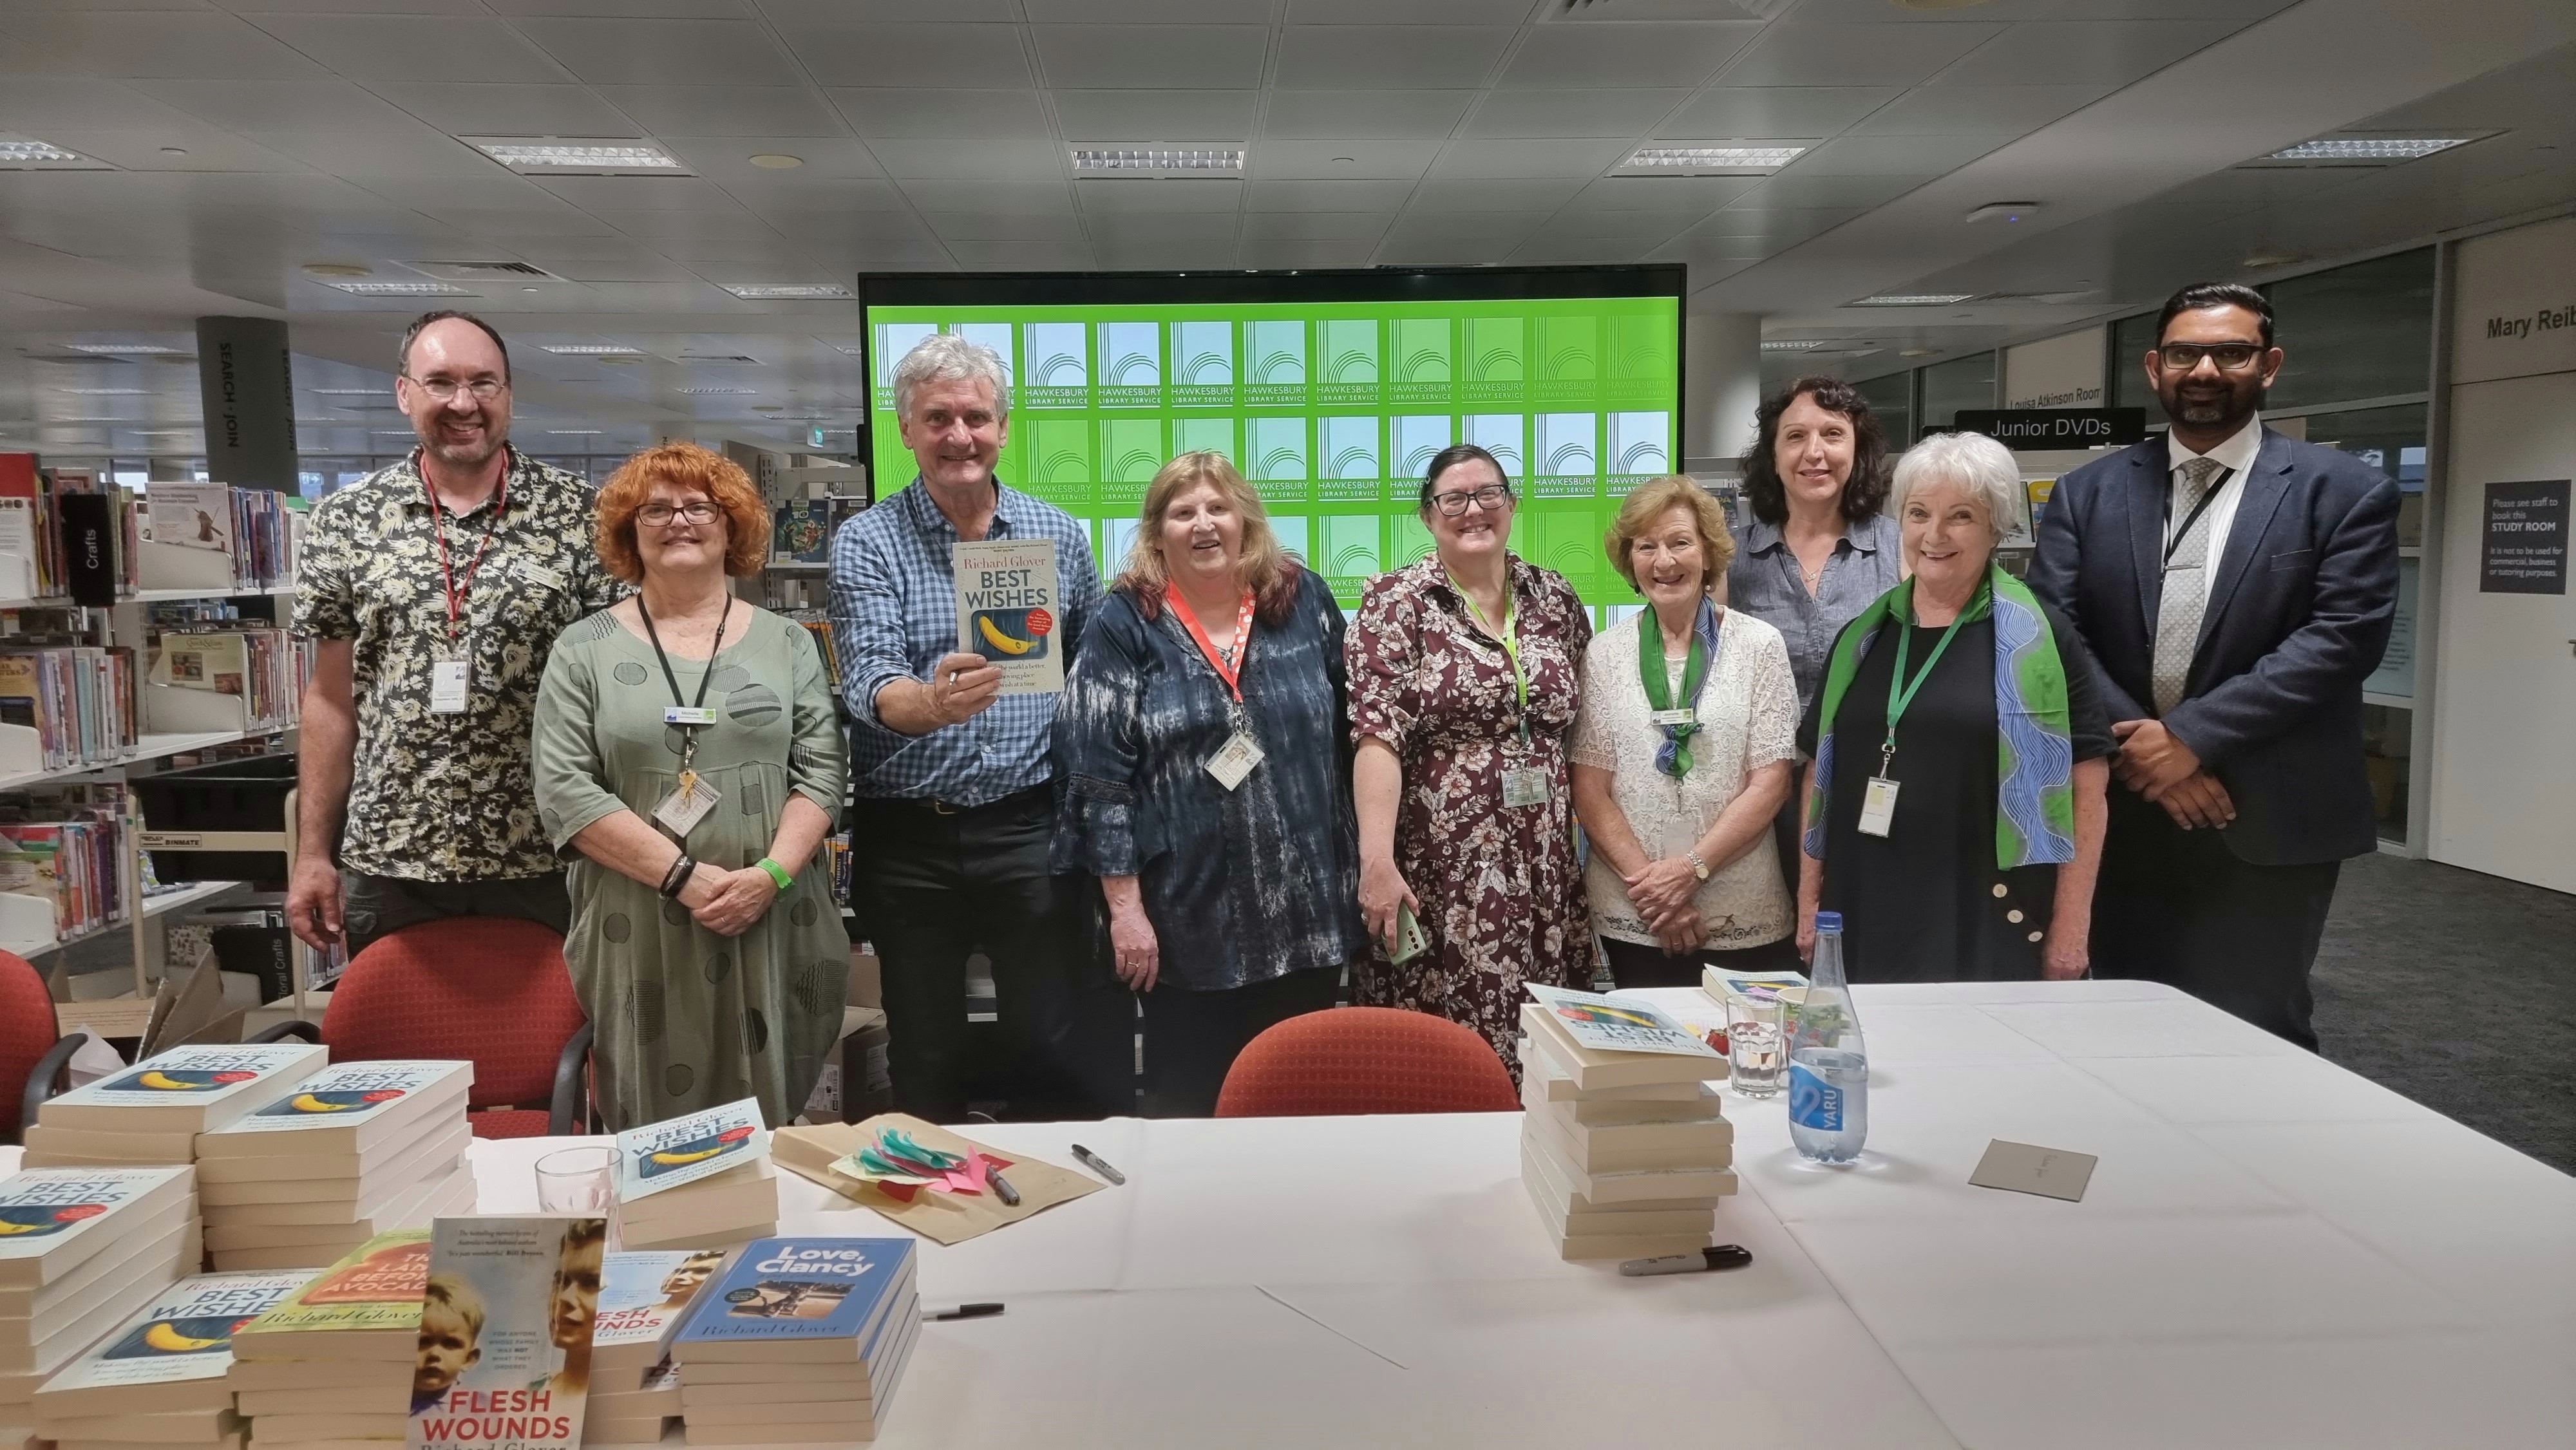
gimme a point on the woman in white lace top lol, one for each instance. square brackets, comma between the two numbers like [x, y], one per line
[1679, 767]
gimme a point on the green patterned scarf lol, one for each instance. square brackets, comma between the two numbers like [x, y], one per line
[2035, 759]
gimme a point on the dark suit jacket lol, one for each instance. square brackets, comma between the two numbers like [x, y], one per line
[2298, 614]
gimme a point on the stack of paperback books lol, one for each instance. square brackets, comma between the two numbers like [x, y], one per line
[331, 1367]
[703, 1181]
[159, 1381]
[1622, 1147]
[152, 1112]
[356, 1150]
[81, 1249]
[644, 1298]
[802, 1340]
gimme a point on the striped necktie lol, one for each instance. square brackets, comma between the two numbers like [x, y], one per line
[2186, 584]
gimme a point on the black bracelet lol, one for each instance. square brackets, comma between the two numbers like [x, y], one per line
[676, 880]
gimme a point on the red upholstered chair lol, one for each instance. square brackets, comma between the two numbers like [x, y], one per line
[32, 1053]
[488, 989]
[1366, 1060]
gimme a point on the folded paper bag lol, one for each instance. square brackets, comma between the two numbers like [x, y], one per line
[947, 1218]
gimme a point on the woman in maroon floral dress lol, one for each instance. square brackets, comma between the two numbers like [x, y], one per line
[1460, 778]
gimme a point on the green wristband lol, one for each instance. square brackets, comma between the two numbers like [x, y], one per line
[776, 872]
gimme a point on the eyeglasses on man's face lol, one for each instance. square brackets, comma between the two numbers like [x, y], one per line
[1454, 503]
[659, 515]
[446, 389]
[2231, 357]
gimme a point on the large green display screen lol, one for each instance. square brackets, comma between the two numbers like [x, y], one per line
[1330, 407]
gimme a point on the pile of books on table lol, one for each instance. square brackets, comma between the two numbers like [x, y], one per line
[160, 1380]
[703, 1181]
[81, 1251]
[330, 1367]
[153, 1112]
[1623, 1147]
[644, 1298]
[355, 1151]
[803, 1340]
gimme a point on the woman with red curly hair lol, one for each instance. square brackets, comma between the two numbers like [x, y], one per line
[688, 763]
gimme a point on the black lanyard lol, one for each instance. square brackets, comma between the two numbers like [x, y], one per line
[2197, 510]
[688, 733]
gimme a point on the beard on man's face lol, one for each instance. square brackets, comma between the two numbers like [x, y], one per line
[2200, 403]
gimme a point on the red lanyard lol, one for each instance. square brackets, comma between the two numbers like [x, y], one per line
[456, 595]
[1232, 674]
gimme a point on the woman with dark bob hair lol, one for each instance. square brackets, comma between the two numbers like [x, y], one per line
[688, 763]
[1818, 550]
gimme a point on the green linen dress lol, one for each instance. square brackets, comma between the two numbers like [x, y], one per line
[684, 1018]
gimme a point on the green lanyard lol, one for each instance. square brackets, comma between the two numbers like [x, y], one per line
[1508, 637]
[1900, 690]
[1651, 673]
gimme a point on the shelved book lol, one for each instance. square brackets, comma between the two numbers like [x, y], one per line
[81, 1249]
[802, 1340]
[65, 847]
[801, 532]
[699, 1181]
[159, 1379]
[141, 1115]
[265, 669]
[355, 1151]
[78, 698]
[1624, 1150]
[333, 1362]
[644, 1298]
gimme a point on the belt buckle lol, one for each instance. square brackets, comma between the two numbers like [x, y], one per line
[942, 807]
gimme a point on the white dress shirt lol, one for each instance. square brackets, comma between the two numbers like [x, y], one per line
[2236, 455]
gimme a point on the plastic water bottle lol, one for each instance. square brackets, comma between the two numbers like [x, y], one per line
[1828, 1067]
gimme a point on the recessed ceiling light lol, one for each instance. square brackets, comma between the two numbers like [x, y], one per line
[577, 156]
[1716, 158]
[107, 392]
[1791, 344]
[2274, 259]
[777, 161]
[1911, 299]
[573, 432]
[590, 349]
[338, 269]
[399, 289]
[1157, 159]
[344, 392]
[26, 153]
[788, 291]
[2366, 148]
[1918, 352]
[716, 392]
[126, 349]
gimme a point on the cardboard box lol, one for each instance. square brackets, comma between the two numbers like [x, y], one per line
[867, 978]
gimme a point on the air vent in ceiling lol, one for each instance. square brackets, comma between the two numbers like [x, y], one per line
[477, 271]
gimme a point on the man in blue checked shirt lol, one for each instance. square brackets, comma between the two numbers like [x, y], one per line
[955, 800]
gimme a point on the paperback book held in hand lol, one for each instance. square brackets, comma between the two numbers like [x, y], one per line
[503, 1358]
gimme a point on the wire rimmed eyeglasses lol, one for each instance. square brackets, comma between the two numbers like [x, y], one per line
[445, 390]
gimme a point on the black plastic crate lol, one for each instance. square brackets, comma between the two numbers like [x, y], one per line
[205, 812]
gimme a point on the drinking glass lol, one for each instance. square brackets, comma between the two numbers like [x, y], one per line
[576, 1180]
[1753, 1043]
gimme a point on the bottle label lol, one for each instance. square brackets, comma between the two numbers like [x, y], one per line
[1814, 1102]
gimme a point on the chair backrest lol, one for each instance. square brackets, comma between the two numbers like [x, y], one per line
[26, 1033]
[1366, 1060]
[488, 989]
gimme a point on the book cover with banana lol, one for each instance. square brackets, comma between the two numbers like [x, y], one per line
[675, 1151]
[1009, 607]
[190, 1086]
[52, 1219]
[356, 1092]
[186, 1333]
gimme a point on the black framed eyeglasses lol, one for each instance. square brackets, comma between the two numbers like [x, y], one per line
[1491, 496]
[659, 515]
[2231, 357]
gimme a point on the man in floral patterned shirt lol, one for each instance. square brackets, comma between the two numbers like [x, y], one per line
[435, 589]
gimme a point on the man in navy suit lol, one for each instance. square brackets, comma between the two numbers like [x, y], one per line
[2235, 587]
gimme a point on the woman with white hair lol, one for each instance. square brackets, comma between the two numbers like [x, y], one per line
[1955, 791]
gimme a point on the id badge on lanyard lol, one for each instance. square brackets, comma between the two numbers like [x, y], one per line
[451, 674]
[1878, 799]
[1241, 754]
[451, 682]
[692, 796]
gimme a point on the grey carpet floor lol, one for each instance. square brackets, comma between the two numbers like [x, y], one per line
[2458, 990]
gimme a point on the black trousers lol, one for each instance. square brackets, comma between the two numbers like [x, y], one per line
[376, 906]
[1192, 1038]
[932, 887]
[2179, 907]
[1638, 964]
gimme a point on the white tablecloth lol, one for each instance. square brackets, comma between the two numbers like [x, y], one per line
[2272, 1253]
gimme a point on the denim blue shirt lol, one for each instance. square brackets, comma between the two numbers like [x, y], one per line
[1763, 582]
[1242, 886]
[894, 613]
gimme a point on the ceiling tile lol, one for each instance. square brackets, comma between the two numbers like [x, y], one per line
[1893, 155]
[414, 47]
[1028, 198]
[788, 201]
[378, 153]
[854, 227]
[1747, 217]
[1812, 189]
[660, 227]
[1191, 227]
[1529, 158]
[1409, 12]
[664, 52]
[988, 226]
[2102, 52]
[1958, 110]
[1020, 256]
[206, 44]
[598, 194]
[1782, 111]
[725, 110]
[34, 103]
[553, 220]
[944, 115]
[829, 160]
[1338, 226]
[1503, 226]
[282, 105]
[1180, 57]
[1148, 255]
[1668, 194]
[1342, 160]
[1893, 54]
[494, 190]
[1387, 57]
[1612, 55]
[1463, 250]
[1169, 195]
[467, 109]
[664, 297]
[207, 148]
[1386, 115]
[1573, 251]
[1641, 229]
[1572, 113]
[1511, 194]
[1281, 253]
[931, 56]
[1322, 196]
[971, 160]
[1156, 115]
[1148, 12]
[614, 9]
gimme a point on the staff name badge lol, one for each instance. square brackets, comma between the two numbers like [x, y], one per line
[685, 806]
[688, 714]
[1235, 759]
[1684, 716]
[540, 575]
[1877, 806]
[449, 683]
[1524, 786]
